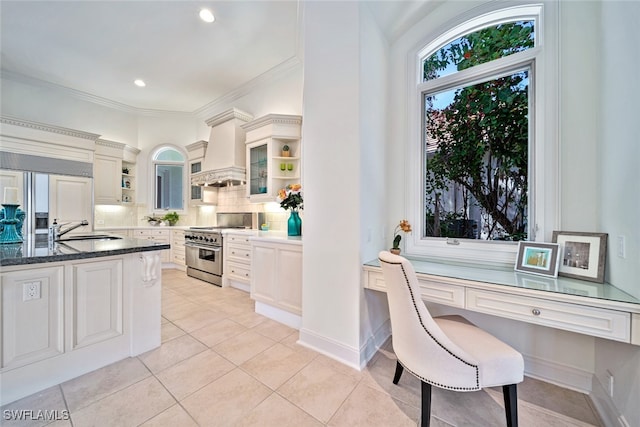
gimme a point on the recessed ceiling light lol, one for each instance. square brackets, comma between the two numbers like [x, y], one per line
[206, 15]
[139, 83]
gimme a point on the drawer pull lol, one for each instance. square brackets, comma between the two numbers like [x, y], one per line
[246, 254]
[535, 312]
[246, 274]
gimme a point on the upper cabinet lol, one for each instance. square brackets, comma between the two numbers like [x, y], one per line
[274, 153]
[199, 194]
[114, 172]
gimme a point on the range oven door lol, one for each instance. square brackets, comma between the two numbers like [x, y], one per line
[206, 259]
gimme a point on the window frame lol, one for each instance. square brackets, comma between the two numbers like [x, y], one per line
[542, 62]
[152, 177]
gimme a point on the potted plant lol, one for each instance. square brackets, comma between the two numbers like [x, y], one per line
[171, 218]
[397, 237]
[153, 220]
[285, 151]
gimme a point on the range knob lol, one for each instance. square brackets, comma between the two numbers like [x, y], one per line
[200, 237]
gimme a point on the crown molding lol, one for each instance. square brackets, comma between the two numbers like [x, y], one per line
[110, 144]
[198, 144]
[94, 99]
[281, 119]
[225, 116]
[131, 149]
[8, 120]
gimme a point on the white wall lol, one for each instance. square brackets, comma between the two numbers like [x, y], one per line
[598, 151]
[619, 156]
[332, 179]
[374, 95]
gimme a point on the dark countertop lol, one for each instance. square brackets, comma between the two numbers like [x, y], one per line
[38, 250]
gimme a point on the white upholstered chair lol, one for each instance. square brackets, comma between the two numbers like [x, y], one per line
[448, 351]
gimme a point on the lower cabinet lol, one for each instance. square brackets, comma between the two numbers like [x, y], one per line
[237, 261]
[161, 235]
[177, 249]
[276, 275]
[64, 319]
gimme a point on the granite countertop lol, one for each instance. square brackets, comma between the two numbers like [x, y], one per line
[38, 250]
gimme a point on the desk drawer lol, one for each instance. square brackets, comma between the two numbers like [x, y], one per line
[599, 322]
[432, 291]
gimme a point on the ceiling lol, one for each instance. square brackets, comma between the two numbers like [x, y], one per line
[99, 48]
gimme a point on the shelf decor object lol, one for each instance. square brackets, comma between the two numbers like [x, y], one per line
[11, 224]
[538, 258]
[582, 255]
[294, 224]
[12, 217]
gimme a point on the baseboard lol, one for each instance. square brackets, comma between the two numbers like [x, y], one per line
[555, 373]
[371, 346]
[279, 315]
[349, 356]
[604, 406]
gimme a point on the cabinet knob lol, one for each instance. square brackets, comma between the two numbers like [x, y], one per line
[246, 274]
[535, 312]
[246, 254]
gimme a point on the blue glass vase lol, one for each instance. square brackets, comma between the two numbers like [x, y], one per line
[294, 225]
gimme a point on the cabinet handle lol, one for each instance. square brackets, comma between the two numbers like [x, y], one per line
[246, 254]
[535, 312]
[246, 274]
[233, 271]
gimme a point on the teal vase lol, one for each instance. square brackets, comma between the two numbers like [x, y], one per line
[294, 225]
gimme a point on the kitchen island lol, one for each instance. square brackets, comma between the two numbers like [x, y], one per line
[68, 308]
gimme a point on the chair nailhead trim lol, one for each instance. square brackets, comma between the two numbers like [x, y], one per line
[477, 387]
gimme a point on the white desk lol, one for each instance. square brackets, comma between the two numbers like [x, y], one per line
[599, 310]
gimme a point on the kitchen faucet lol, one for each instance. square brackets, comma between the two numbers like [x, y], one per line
[55, 232]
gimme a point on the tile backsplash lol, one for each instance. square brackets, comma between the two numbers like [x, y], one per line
[230, 199]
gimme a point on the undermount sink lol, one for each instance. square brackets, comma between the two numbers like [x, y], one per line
[89, 237]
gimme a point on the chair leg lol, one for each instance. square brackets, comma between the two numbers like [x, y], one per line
[398, 374]
[426, 404]
[511, 404]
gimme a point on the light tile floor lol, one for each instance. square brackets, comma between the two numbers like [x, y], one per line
[221, 364]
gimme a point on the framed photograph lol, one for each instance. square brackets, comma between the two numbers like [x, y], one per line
[538, 258]
[582, 255]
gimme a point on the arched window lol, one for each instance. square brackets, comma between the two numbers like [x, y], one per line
[168, 167]
[479, 107]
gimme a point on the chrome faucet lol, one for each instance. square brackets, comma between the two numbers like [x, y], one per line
[55, 231]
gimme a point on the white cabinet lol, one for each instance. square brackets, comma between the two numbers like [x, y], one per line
[70, 200]
[32, 316]
[276, 274]
[114, 173]
[60, 320]
[95, 302]
[269, 168]
[237, 261]
[108, 180]
[128, 183]
[11, 178]
[161, 235]
[177, 249]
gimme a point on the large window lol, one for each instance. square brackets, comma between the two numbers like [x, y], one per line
[483, 170]
[168, 166]
[476, 136]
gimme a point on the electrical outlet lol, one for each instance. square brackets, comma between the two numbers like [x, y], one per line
[30, 290]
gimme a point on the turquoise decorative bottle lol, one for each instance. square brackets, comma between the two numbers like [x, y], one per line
[294, 225]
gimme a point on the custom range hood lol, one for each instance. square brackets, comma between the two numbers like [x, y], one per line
[224, 159]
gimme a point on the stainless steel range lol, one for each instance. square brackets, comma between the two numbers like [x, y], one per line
[203, 253]
[203, 245]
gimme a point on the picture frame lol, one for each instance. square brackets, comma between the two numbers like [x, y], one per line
[538, 258]
[582, 255]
